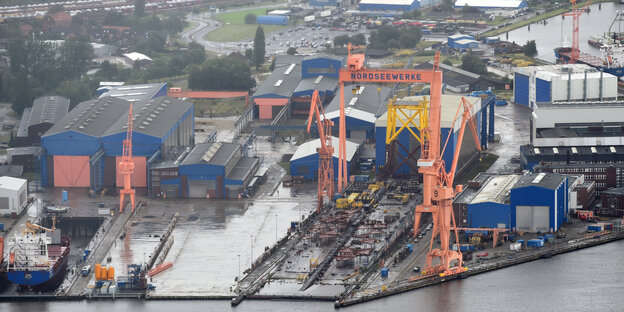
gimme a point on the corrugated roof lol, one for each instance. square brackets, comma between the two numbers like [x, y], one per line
[243, 168]
[353, 113]
[466, 41]
[154, 117]
[496, 190]
[489, 3]
[544, 179]
[452, 75]
[48, 109]
[455, 36]
[282, 81]
[26, 150]
[134, 93]
[368, 99]
[321, 83]
[309, 148]
[11, 183]
[392, 2]
[92, 117]
[22, 131]
[216, 153]
[136, 56]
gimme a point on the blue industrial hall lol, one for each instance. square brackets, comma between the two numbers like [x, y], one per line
[389, 5]
[539, 202]
[305, 160]
[84, 148]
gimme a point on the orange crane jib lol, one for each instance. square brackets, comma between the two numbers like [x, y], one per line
[325, 152]
[126, 166]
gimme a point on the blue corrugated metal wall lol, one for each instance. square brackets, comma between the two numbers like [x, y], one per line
[356, 124]
[320, 66]
[161, 92]
[542, 91]
[142, 144]
[272, 20]
[489, 215]
[70, 143]
[539, 196]
[521, 89]
[297, 167]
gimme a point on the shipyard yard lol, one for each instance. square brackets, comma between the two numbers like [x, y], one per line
[434, 157]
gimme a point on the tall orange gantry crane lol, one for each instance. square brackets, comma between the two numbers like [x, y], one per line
[576, 14]
[438, 192]
[126, 166]
[325, 152]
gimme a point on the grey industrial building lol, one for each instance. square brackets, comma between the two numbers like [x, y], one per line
[36, 120]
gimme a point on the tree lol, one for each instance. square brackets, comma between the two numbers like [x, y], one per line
[473, 64]
[74, 58]
[196, 54]
[221, 74]
[341, 40]
[250, 18]
[272, 67]
[139, 8]
[408, 40]
[447, 62]
[358, 39]
[249, 54]
[259, 47]
[530, 49]
[469, 9]
[406, 15]
[448, 5]
[291, 51]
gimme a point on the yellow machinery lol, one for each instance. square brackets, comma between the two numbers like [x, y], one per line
[342, 203]
[353, 197]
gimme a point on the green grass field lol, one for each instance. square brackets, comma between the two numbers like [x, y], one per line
[235, 29]
[238, 32]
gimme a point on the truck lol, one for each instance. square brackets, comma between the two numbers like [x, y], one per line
[85, 270]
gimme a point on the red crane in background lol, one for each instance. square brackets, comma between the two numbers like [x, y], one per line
[325, 152]
[126, 166]
[576, 14]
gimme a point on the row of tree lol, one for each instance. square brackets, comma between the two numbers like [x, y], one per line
[389, 37]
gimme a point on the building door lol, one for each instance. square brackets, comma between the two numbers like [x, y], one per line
[198, 188]
[532, 218]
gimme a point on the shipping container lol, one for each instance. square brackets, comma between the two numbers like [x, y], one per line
[272, 20]
[1, 226]
[384, 272]
[515, 246]
[410, 247]
[595, 228]
[535, 243]
[520, 241]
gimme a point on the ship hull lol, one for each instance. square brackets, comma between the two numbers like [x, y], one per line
[563, 56]
[42, 280]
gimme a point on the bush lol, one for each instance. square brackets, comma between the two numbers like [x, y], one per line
[250, 18]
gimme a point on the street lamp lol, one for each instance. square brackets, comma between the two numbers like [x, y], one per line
[238, 268]
[275, 228]
[251, 248]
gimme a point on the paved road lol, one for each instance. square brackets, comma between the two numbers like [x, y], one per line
[512, 122]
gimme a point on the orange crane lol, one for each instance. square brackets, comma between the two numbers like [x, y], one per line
[325, 152]
[438, 191]
[356, 72]
[576, 14]
[126, 166]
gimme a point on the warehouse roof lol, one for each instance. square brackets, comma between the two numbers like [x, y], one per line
[309, 148]
[393, 2]
[496, 190]
[368, 100]
[466, 41]
[135, 93]
[216, 153]
[22, 131]
[287, 59]
[26, 150]
[48, 109]
[136, 56]
[92, 117]
[615, 191]
[353, 113]
[490, 3]
[320, 83]
[543, 179]
[466, 196]
[243, 168]
[11, 183]
[154, 117]
[450, 104]
[457, 36]
[282, 81]
[452, 75]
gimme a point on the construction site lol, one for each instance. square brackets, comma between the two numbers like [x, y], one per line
[130, 203]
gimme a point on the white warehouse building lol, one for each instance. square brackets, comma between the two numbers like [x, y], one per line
[13, 195]
[553, 83]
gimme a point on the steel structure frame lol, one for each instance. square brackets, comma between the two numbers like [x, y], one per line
[126, 165]
[576, 14]
[325, 152]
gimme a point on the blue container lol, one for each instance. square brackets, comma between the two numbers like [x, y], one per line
[501, 102]
[521, 241]
[541, 238]
[293, 224]
[64, 196]
[1, 226]
[361, 177]
[121, 284]
[410, 247]
[595, 228]
[512, 237]
[272, 20]
[536, 243]
[384, 272]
